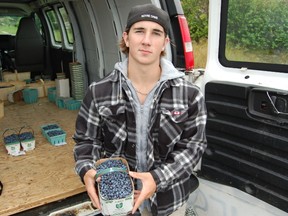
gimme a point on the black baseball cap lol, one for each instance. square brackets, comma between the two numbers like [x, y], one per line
[148, 12]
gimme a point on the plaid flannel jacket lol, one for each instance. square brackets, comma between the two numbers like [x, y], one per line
[105, 127]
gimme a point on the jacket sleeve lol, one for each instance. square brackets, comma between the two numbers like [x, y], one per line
[188, 150]
[87, 136]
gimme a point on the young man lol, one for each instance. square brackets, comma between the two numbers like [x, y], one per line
[145, 112]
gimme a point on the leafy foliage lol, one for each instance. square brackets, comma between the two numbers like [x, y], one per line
[196, 12]
[258, 24]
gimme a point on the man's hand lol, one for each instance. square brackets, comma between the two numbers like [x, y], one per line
[148, 188]
[89, 180]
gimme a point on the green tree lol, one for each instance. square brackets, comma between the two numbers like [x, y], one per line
[196, 12]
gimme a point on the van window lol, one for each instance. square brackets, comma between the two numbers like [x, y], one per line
[60, 27]
[67, 25]
[55, 27]
[9, 24]
[254, 33]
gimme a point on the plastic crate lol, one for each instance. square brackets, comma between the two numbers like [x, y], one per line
[52, 94]
[30, 95]
[73, 105]
[61, 101]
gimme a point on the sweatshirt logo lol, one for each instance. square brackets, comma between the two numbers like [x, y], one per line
[175, 113]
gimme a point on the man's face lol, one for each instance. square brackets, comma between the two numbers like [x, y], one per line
[146, 40]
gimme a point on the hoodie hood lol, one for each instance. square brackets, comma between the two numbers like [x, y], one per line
[168, 69]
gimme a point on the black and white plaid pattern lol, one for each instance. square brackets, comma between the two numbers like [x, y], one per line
[106, 127]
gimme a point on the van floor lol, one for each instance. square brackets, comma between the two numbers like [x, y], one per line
[45, 174]
[34, 183]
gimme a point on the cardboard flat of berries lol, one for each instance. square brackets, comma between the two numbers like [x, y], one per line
[115, 189]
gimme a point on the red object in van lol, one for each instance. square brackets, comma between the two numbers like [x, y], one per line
[187, 43]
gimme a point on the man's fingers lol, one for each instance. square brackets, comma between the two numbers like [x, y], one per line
[138, 202]
[92, 193]
[91, 188]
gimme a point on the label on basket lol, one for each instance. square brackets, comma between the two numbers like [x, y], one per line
[28, 145]
[14, 149]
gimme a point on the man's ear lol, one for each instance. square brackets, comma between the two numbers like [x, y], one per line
[125, 38]
[167, 40]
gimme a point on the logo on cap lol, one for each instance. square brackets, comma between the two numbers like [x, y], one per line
[149, 16]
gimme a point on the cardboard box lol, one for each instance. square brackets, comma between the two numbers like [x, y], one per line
[117, 207]
[5, 89]
[48, 84]
[62, 88]
[16, 76]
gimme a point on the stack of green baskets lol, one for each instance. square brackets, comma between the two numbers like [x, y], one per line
[54, 134]
[77, 80]
[52, 94]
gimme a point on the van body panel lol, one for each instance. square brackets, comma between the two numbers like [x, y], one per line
[218, 199]
[244, 169]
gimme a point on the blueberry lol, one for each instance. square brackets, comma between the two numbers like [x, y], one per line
[117, 184]
[26, 136]
[50, 127]
[11, 138]
[55, 133]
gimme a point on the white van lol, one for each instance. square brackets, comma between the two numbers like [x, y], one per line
[244, 171]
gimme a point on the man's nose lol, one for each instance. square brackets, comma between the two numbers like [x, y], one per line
[147, 39]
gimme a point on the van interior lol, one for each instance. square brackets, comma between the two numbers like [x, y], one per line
[59, 47]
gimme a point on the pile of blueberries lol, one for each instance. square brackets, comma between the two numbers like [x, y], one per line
[50, 127]
[116, 184]
[55, 133]
[11, 138]
[26, 136]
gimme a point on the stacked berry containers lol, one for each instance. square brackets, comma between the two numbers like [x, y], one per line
[54, 134]
[116, 190]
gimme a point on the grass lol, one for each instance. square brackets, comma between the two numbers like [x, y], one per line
[8, 30]
[200, 53]
[234, 54]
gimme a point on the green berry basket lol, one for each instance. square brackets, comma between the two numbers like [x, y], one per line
[52, 94]
[30, 95]
[73, 104]
[47, 127]
[56, 137]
